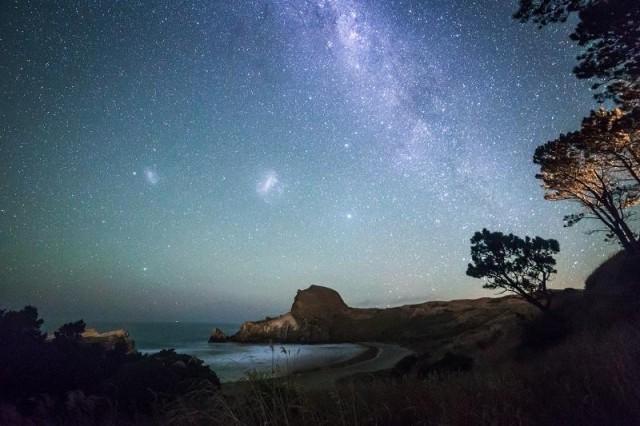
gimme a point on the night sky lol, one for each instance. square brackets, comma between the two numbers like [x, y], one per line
[202, 160]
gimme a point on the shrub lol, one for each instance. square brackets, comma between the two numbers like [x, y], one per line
[68, 380]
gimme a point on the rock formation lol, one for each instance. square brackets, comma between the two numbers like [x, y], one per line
[618, 277]
[311, 319]
[109, 339]
[613, 289]
[217, 336]
[319, 314]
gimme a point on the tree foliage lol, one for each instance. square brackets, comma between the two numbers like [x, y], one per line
[598, 167]
[40, 376]
[23, 325]
[71, 331]
[516, 265]
[609, 32]
[615, 136]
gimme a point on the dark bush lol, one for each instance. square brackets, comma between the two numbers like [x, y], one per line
[422, 366]
[450, 363]
[544, 331]
[65, 377]
[156, 378]
[404, 366]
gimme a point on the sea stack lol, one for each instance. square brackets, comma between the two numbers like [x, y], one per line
[217, 336]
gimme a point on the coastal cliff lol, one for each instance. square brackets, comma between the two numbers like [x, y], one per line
[314, 316]
[109, 339]
[320, 315]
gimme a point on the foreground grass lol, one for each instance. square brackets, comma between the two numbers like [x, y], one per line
[591, 379]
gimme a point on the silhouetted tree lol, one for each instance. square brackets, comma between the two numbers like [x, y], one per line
[609, 31]
[38, 374]
[597, 167]
[19, 326]
[614, 136]
[516, 265]
[22, 349]
[71, 331]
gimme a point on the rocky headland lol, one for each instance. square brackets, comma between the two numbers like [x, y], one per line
[485, 328]
[109, 339]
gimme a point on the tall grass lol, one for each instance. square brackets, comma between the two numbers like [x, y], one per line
[591, 379]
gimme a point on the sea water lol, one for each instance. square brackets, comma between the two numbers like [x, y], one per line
[231, 361]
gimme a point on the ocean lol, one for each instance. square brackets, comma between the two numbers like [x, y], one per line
[231, 361]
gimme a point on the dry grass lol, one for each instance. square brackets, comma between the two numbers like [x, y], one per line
[591, 379]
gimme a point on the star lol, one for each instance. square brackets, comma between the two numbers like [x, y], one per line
[403, 125]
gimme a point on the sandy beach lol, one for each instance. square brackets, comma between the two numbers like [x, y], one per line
[379, 356]
[376, 357]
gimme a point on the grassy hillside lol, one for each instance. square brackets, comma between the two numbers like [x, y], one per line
[576, 365]
[592, 378]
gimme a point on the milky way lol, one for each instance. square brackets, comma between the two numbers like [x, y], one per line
[203, 160]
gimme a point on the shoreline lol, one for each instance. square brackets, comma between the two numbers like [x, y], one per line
[369, 353]
[376, 357]
[385, 357]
